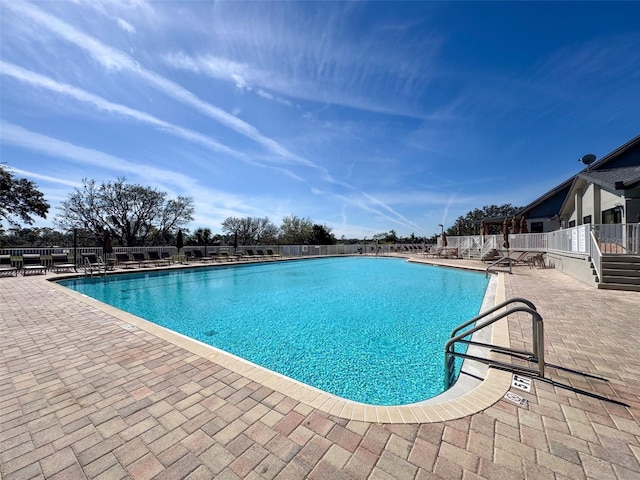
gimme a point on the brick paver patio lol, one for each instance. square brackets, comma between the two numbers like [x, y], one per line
[82, 397]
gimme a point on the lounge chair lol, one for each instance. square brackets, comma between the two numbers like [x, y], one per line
[6, 268]
[31, 262]
[227, 256]
[142, 261]
[60, 261]
[244, 255]
[523, 257]
[197, 254]
[271, 254]
[123, 260]
[491, 255]
[155, 257]
[251, 255]
[261, 254]
[434, 252]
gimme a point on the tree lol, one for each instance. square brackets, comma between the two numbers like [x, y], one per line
[203, 236]
[321, 235]
[20, 198]
[391, 237]
[134, 215]
[296, 231]
[250, 230]
[470, 223]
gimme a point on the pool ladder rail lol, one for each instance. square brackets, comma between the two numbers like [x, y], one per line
[99, 266]
[458, 336]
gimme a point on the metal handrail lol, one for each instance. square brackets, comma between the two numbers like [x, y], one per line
[606, 239]
[536, 356]
[528, 303]
[502, 259]
[88, 266]
[596, 255]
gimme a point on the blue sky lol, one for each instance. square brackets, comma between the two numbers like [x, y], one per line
[363, 116]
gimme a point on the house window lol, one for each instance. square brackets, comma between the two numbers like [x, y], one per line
[537, 227]
[586, 219]
[613, 215]
[572, 223]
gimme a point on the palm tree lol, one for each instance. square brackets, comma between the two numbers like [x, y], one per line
[203, 237]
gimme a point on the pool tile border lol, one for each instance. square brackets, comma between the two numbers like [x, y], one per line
[494, 386]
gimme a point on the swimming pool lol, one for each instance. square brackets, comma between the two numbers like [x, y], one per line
[370, 330]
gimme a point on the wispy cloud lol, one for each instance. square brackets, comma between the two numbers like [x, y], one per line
[113, 59]
[367, 203]
[126, 26]
[217, 204]
[311, 54]
[103, 105]
[601, 59]
[47, 178]
[40, 81]
[240, 74]
[210, 66]
[445, 213]
[116, 60]
[16, 135]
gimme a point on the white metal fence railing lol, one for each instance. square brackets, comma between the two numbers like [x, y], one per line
[619, 238]
[613, 239]
[291, 251]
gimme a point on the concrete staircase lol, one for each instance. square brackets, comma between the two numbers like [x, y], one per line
[620, 272]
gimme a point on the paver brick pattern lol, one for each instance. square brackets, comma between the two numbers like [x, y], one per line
[81, 397]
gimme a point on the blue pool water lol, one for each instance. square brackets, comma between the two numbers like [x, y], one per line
[367, 329]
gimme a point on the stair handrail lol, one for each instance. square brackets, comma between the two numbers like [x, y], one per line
[537, 329]
[596, 255]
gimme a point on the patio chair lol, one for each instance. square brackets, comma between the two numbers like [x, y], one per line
[242, 255]
[60, 262]
[197, 255]
[155, 257]
[435, 252]
[523, 258]
[142, 261]
[6, 268]
[251, 255]
[491, 255]
[261, 254]
[123, 260]
[227, 256]
[538, 260]
[31, 262]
